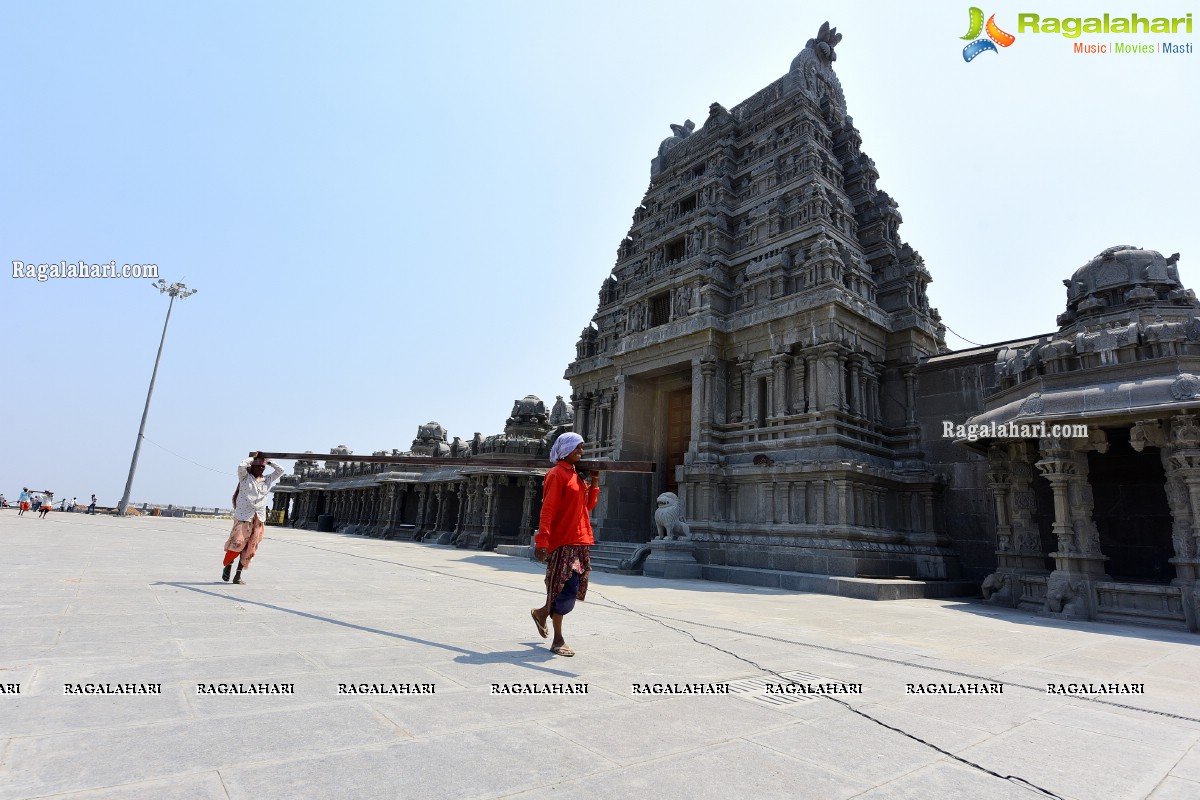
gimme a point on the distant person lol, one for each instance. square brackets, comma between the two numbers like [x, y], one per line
[249, 512]
[74, 504]
[23, 501]
[92, 507]
[3, 501]
[564, 537]
[47, 504]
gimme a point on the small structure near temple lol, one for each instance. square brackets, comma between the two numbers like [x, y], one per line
[468, 506]
[1093, 450]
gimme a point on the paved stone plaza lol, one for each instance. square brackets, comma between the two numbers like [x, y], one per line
[99, 602]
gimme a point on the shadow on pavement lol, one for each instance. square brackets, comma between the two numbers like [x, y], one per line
[523, 658]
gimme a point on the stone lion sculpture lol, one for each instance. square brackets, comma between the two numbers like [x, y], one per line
[668, 518]
[997, 588]
[1063, 596]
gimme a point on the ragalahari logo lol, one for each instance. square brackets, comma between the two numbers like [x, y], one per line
[994, 34]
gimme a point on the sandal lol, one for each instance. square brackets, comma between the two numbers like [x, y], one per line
[541, 626]
[562, 650]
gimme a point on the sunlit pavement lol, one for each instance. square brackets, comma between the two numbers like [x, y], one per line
[94, 603]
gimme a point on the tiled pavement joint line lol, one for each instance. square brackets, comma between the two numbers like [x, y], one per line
[611, 764]
[1015, 779]
[913, 664]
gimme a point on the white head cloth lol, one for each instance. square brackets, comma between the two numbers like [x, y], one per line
[564, 445]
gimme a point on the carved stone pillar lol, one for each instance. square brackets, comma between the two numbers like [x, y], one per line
[528, 523]
[744, 369]
[387, 506]
[422, 498]
[439, 522]
[856, 404]
[708, 372]
[779, 399]
[876, 404]
[1181, 457]
[1078, 559]
[798, 405]
[736, 388]
[829, 384]
[585, 415]
[910, 393]
[842, 373]
[810, 363]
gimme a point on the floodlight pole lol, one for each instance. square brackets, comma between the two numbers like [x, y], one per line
[174, 290]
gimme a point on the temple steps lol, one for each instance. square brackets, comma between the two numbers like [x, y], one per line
[607, 557]
[861, 588]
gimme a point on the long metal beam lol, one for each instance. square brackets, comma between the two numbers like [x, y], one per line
[602, 465]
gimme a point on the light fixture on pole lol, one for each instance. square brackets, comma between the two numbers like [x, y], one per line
[175, 290]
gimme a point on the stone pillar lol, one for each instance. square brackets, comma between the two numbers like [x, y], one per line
[422, 498]
[1078, 559]
[708, 371]
[744, 368]
[856, 404]
[584, 418]
[389, 512]
[843, 383]
[798, 405]
[736, 387]
[830, 384]
[910, 393]
[1181, 458]
[873, 396]
[528, 523]
[810, 362]
[779, 406]
[439, 522]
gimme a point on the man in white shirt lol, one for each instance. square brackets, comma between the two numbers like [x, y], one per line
[249, 511]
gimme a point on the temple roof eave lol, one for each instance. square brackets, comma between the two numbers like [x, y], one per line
[1117, 401]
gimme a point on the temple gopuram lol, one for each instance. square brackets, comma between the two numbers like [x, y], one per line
[759, 338]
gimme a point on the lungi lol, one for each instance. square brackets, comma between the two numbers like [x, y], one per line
[244, 539]
[567, 576]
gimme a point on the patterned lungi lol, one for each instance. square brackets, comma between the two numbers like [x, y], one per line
[567, 576]
[244, 539]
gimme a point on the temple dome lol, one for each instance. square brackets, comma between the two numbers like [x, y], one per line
[1123, 276]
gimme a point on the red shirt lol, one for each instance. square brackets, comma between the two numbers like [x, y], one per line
[566, 503]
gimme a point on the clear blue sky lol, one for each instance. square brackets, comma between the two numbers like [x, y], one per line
[395, 215]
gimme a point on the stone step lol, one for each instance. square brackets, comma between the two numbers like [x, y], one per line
[861, 588]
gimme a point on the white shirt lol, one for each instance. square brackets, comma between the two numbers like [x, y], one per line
[252, 492]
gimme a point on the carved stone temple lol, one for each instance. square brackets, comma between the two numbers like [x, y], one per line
[759, 338]
[1103, 524]
[765, 338]
[468, 506]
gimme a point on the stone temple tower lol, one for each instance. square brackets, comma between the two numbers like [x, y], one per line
[757, 338]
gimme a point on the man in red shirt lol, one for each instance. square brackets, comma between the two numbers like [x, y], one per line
[564, 537]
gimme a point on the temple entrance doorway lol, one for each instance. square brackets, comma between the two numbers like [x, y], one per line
[1131, 510]
[509, 505]
[678, 433]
